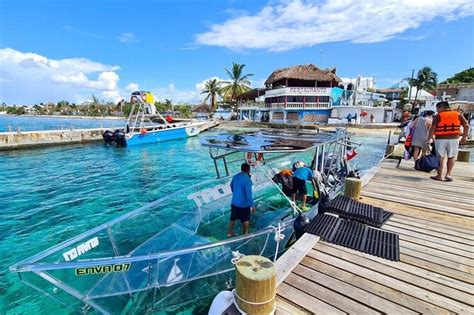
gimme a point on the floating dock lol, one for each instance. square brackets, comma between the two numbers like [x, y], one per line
[435, 274]
[31, 139]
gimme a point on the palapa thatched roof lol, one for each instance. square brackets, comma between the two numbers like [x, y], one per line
[303, 72]
[203, 108]
[252, 94]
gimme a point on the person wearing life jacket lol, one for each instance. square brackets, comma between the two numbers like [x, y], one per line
[446, 130]
[285, 178]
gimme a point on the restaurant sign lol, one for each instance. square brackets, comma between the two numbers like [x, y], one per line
[307, 91]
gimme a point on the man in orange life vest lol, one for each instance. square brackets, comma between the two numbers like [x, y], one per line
[446, 129]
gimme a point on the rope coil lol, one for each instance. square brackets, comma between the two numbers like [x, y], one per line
[235, 295]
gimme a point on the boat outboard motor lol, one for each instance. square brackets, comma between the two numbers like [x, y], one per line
[300, 223]
[108, 137]
[323, 204]
[119, 138]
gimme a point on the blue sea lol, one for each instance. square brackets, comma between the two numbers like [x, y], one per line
[29, 123]
[51, 194]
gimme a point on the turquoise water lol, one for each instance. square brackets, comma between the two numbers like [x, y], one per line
[51, 194]
[54, 123]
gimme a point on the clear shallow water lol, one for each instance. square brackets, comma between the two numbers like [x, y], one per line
[49, 195]
[28, 123]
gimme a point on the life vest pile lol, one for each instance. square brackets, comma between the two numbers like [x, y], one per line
[448, 124]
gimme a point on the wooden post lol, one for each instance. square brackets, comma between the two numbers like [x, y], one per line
[255, 283]
[352, 188]
[389, 149]
[463, 156]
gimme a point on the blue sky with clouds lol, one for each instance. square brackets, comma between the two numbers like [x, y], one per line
[68, 50]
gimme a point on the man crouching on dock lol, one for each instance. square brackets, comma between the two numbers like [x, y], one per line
[242, 200]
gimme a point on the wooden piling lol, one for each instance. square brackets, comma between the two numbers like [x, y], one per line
[255, 285]
[463, 156]
[353, 188]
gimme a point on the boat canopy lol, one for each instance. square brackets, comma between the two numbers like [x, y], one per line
[266, 141]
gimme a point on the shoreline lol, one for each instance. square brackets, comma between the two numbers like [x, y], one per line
[71, 117]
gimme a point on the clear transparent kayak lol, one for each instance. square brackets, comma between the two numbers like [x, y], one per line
[175, 249]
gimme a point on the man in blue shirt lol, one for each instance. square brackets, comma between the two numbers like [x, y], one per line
[300, 176]
[242, 200]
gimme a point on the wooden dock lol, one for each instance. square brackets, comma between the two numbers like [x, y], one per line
[435, 222]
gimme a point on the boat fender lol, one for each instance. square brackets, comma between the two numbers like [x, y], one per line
[221, 302]
[143, 131]
[299, 225]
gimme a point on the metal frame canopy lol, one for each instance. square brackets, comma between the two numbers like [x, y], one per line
[273, 142]
[269, 141]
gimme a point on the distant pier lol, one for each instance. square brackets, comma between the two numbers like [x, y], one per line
[15, 140]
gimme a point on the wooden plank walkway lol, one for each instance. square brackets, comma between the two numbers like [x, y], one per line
[435, 275]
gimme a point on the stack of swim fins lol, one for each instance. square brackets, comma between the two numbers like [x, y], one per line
[354, 210]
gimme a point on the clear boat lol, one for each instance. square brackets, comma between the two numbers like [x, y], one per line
[174, 250]
[146, 125]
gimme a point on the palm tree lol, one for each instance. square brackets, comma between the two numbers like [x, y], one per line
[213, 88]
[426, 78]
[238, 83]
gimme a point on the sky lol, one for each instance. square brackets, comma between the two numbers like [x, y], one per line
[53, 50]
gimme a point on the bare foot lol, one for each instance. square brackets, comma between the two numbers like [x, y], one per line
[448, 178]
[437, 178]
[231, 234]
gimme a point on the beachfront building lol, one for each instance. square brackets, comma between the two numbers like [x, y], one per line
[300, 94]
[252, 106]
[295, 95]
[360, 101]
[456, 91]
[202, 112]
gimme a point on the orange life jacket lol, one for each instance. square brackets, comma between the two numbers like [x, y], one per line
[448, 124]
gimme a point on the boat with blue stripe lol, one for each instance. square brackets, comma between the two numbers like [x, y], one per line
[146, 125]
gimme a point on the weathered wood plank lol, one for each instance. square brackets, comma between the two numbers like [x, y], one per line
[427, 214]
[305, 300]
[447, 225]
[327, 295]
[438, 253]
[448, 198]
[430, 186]
[421, 204]
[413, 285]
[431, 233]
[285, 307]
[433, 245]
[458, 286]
[291, 258]
[385, 292]
[402, 231]
[310, 270]
[456, 274]
[433, 226]
[422, 198]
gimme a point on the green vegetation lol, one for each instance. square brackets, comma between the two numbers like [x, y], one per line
[466, 76]
[229, 90]
[426, 78]
[212, 88]
[238, 83]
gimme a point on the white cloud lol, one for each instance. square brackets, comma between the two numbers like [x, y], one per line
[298, 23]
[132, 87]
[43, 79]
[128, 38]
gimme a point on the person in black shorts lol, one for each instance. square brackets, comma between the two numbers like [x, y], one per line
[242, 200]
[301, 174]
